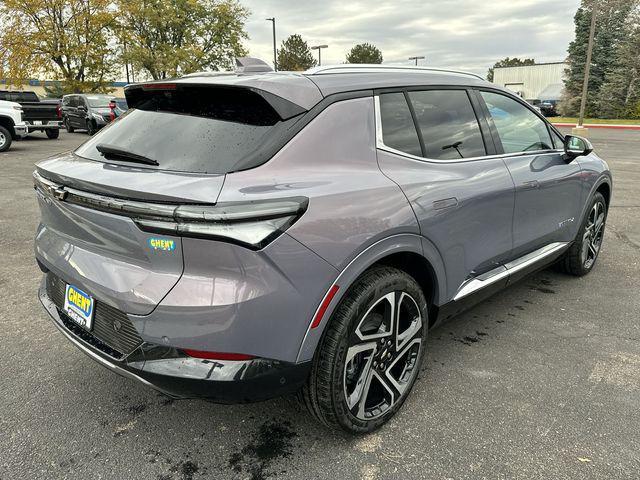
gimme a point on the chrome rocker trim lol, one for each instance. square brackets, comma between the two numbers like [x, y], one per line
[503, 271]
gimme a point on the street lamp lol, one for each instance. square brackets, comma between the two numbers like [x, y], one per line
[416, 59]
[319, 48]
[275, 62]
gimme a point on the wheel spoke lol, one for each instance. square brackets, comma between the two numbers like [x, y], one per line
[401, 382]
[378, 322]
[363, 381]
[412, 312]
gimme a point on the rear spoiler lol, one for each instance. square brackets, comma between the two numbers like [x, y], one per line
[283, 107]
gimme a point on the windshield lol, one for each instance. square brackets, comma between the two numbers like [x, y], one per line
[194, 129]
[97, 101]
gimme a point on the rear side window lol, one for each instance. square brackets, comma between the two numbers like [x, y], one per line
[519, 129]
[194, 128]
[398, 129]
[448, 124]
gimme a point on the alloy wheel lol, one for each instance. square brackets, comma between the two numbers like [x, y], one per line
[383, 355]
[593, 234]
[3, 140]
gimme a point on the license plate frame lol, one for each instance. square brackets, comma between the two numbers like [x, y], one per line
[79, 306]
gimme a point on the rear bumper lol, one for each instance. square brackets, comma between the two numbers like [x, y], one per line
[45, 125]
[169, 371]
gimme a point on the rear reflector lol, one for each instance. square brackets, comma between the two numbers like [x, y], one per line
[324, 305]
[217, 355]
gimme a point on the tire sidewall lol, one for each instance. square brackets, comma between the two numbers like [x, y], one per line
[355, 308]
[597, 197]
[7, 143]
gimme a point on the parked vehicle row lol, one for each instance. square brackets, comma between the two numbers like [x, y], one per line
[23, 112]
[239, 237]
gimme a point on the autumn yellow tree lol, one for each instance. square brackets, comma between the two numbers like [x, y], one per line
[67, 40]
[166, 38]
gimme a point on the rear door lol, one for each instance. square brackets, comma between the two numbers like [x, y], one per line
[461, 195]
[548, 188]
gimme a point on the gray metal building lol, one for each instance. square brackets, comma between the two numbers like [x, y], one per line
[533, 82]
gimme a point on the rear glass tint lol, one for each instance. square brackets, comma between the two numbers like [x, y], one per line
[398, 129]
[194, 129]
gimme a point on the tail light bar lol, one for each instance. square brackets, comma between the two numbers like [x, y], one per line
[58, 111]
[253, 224]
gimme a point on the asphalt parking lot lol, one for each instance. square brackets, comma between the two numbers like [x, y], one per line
[541, 381]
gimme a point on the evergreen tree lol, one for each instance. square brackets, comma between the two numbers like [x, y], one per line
[509, 62]
[619, 96]
[364, 53]
[609, 35]
[295, 55]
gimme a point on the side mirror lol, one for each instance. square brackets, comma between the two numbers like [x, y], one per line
[576, 147]
[82, 108]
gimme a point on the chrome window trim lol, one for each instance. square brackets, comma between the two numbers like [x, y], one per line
[381, 146]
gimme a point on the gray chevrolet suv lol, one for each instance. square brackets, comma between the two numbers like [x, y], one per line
[241, 236]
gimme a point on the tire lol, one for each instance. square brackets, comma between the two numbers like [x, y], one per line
[52, 133]
[68, 126]
[583, 253]
[91, 128]
[5, 139]
[365, 367]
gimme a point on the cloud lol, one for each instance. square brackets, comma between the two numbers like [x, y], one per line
[461, 34]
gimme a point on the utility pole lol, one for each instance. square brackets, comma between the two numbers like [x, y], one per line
[587, 67]
[319, 48]
[275, 54]
[416, 59]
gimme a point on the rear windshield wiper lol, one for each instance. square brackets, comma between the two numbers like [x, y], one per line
[114, 153]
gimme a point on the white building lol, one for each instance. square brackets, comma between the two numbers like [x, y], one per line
[533, 82]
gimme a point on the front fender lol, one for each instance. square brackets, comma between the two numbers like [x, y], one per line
[401, 243]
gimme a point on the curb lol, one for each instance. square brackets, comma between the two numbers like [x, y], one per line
[599, 125]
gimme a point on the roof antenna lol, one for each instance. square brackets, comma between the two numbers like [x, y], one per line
[251, 65]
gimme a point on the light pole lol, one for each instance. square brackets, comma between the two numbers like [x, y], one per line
[416, 59]
[275, 61]
[319, 48]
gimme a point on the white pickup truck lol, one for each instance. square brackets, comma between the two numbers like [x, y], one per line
[11, 124]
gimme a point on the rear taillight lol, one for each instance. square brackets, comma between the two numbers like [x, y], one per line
[218, 355]
[58, 111]
[252, 224]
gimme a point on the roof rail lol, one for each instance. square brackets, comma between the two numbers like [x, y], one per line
[371, 68]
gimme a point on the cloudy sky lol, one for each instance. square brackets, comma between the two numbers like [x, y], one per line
[462, 34]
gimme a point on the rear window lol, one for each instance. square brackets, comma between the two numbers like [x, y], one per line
[194, 128]
[98, 101]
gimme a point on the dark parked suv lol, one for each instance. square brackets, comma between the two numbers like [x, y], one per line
[241, 236]
[88, 112]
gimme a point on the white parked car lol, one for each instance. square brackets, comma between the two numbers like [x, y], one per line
[11, 124]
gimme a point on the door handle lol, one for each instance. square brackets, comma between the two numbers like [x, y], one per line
[531, 184]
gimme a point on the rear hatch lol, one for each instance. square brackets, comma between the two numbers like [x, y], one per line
[114, 211]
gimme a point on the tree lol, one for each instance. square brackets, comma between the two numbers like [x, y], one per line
[509, 62]
[65, 39]
[295, 55]
[609, 36]
[167, 38]
[364, 53]
[619, 96]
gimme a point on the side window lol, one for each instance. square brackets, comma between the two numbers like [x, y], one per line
[519, 129]
[448, 124]
[73, 101]
[558, 140]
[66, 101]
[398, 129]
